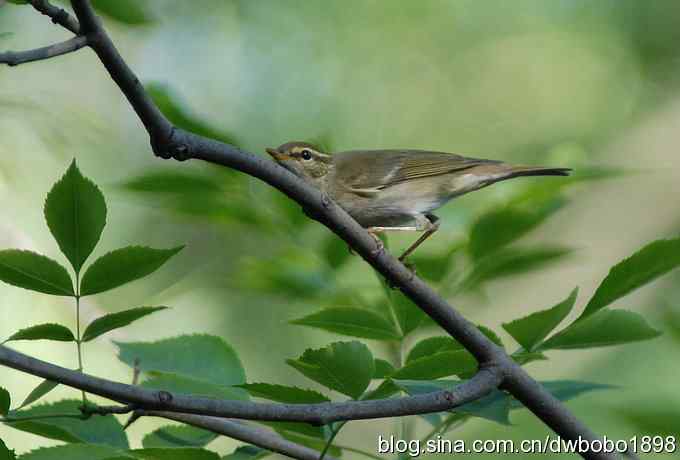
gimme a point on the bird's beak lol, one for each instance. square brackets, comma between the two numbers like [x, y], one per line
[278, 156]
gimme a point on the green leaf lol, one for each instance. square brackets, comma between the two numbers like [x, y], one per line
[5, 453]
[178, 436]
[603, 328]
[116, 320]
[175, 453]
[246, 453]
[432, 345]
[29, 270]
[130, 12]
[495, 406]
[186, 385]
[283, 393]
[18, 2]
[524, 357]
[652, 261]
[485, 238]
[218, 363]
[104, 430]
[5, 401]
[122, 266]
[171, 106]
[346, 367]
[335, 251]
[383, 391]
[654, 421]
[354, 322]
[511, 262]
[437, 344]
[564, 390]
[531, 330]
[44, 332]
[38, 392]
[383, 369]
[441, 364]
[72, 452]
[75, 212]
[408, 315]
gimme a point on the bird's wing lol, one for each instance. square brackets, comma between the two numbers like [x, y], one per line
[390, 167]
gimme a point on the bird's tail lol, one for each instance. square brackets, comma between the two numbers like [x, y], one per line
[520, 171]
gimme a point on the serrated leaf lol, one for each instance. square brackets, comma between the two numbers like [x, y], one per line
[283, 393]
[485, 238]
[5, 401]
[437, 344]
[383, 391]
[354, 322]
[495, 406]
[29, 270]
[122, 266]
[524, 357]
[178, 436]
[408, 315]
[75, 212]
[346, 367]
[186, 385]
[441, 364]
[175, 110]
[102, 430]
[218, 363]
[383, 369]
[530, 330]
[603, 328]
[511, 262]
[128, 12]
[117, 320]
[38, 392]
[5, 453]
[47, 331]
[432, 345]
[72, 452]
[652, 261]
[246, 453]
[176, 453]
[305, 429]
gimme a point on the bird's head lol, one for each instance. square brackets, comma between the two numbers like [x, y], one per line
[302, 159]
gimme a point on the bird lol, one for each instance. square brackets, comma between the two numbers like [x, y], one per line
[397, 189]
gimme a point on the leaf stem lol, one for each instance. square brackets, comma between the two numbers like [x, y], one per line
[79, 341]
[334, 432]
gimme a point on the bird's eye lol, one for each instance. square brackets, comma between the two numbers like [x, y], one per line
[306, 154]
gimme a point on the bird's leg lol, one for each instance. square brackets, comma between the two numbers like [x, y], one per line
[431, 226]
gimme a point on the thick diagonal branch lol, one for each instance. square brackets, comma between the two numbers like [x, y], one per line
[13, 58]
[480, 385]
[242, 432]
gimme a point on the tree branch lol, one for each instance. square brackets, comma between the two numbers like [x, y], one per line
[13, 58]
[252, 435]
[136, 397]
[169, 142]
[58, 15]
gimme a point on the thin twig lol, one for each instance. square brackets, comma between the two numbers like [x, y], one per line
[58, 15]
[242, 432]
[13, 58]
[478, 386]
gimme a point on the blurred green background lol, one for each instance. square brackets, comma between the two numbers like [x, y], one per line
[590, 85]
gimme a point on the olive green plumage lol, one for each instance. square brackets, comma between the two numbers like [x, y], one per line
[397, 189]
